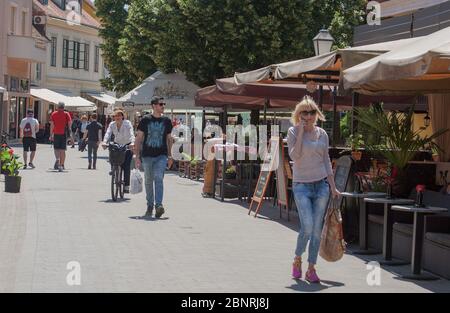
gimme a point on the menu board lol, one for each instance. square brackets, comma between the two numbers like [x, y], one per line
[342, 173]
[269, 165]
[282, 193]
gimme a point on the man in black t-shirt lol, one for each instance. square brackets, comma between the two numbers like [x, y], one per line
[94, 136]
[154, 135]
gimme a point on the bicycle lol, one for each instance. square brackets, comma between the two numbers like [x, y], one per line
[117, 155]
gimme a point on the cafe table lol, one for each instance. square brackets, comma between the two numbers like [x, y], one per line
[363, 229]
[388, 225]
[418, 235]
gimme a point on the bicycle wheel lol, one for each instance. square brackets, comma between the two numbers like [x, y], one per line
[121, 183]
[114, 187]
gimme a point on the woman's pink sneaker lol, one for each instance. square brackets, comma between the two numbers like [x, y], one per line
[311, 276]
[297, 269]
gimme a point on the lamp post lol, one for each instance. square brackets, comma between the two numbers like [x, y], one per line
[427, 120]
[323, 42]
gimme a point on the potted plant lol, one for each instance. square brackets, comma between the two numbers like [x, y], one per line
[11, 167]
[435, 154]
[398, 142]
[355, 143]
[230, 172]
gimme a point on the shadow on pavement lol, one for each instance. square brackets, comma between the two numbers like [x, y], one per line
[118, 201]
[302, 285]
[148, 219]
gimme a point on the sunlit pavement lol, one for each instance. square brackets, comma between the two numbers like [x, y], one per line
[200, 245]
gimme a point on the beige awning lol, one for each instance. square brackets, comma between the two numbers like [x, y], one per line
[103, 97]
[333, 61]
[2, 89]
[48, 95]
[419, 67]
[71, 103]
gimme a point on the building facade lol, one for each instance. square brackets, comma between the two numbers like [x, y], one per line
[74, 64]
[22, 50]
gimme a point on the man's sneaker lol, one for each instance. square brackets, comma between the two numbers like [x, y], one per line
[89, 167]
[60, 168]
[56, 166]
[159, 211]
[31, 165]
[24, 166]
[149, 212]
[126, 189]
[63, 167]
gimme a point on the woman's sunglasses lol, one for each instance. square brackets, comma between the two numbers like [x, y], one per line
[312, 112]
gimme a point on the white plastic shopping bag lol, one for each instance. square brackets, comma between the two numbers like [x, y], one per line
[136, 182]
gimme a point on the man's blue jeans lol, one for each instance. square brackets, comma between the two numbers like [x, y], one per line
[312, 202]
[154, 168]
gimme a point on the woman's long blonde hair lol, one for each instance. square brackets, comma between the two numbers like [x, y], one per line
[307, 104]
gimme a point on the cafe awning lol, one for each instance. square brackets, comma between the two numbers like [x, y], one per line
[177, 91]
[103, 97]
[419, 67]
[71, 103]
[2, 89]
[48, 95]
[324, 68]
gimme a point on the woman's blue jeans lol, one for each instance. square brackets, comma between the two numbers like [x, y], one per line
[312, 202]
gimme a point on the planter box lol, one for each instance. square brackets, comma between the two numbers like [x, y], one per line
[12, 184]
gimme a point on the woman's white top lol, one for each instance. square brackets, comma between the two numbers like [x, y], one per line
[122, 136]
[310, 155]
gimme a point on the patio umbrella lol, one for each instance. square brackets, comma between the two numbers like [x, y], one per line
[177, 91]
[324, 67]
[421, 66]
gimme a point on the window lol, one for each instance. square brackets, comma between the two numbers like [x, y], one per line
[86, 57]
[65, 56]
[12, 26]
[60, 3]
[96, 59]
[24, 23]
[38, 71]
[53, 51]
[74, 54]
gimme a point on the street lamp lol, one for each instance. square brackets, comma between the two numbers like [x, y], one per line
[427, 120]
[323, 42]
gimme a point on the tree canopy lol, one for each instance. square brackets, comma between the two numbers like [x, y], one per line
[209, 39]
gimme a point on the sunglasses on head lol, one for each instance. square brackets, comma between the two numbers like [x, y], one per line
[312, 112]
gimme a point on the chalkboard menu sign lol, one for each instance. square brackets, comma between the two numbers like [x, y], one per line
[270, 164]
[342, 173]
[282, 193]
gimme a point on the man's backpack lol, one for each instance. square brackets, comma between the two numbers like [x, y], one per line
[27, 130]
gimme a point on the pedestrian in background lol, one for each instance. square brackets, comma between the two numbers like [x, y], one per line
[60, 124]
[29, 127]
[93, 135]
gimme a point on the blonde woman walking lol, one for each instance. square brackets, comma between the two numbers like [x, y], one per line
[313, 181]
